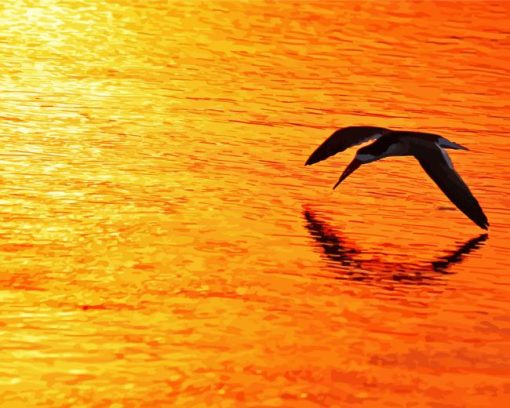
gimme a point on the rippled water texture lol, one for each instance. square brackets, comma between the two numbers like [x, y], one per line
[162, 244]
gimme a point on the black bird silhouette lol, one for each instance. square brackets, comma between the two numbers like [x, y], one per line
[427, 148]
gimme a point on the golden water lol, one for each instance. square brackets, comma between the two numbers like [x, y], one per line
[162, 244]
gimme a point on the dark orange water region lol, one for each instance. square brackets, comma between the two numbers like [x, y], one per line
[162, 243]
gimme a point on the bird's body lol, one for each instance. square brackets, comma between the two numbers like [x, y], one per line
[427, 148]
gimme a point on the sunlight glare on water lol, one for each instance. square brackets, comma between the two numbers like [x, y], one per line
[162, 243]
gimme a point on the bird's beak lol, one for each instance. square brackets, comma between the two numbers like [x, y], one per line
[350, 168]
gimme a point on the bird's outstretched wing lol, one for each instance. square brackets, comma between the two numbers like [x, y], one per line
[437, 164]
[343, 139]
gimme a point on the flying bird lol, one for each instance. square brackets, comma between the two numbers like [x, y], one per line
[427, 148]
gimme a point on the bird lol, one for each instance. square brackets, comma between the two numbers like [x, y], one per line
[427, 148]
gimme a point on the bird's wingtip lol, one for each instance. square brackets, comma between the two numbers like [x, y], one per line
[311, 160]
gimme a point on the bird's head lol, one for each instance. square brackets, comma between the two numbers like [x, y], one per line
[363, 155]
[366, 155]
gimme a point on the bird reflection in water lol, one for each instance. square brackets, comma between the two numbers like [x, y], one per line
[355, 266]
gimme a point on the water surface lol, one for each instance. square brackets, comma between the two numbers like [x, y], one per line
[162, 243]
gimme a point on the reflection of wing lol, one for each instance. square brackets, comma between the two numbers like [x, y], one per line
[455, 257]
[358, 267]
[333, 246]
[439, 169]
[343, 139]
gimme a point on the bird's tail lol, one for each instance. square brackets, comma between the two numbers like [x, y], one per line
[447, 144]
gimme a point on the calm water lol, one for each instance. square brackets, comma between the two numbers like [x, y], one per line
[162, 243]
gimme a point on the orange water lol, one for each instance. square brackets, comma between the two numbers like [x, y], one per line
[162, 243]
